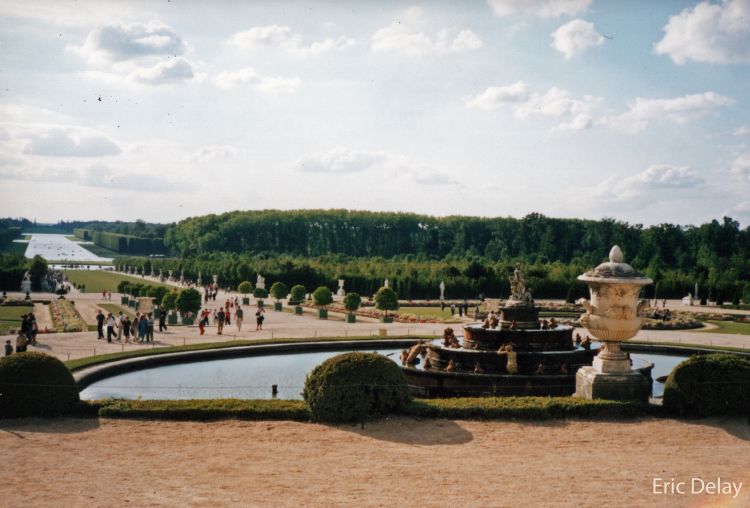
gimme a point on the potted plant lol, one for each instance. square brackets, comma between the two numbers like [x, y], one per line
[386, 299]
[245, 288]
[352, 301]
[169, 304]
[322, 298]
[188, 303]
[124, 288]
[279, 292]
[297, 296]
[259, 294]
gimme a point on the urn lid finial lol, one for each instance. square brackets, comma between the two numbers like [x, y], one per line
[615, 255]
[615, 268]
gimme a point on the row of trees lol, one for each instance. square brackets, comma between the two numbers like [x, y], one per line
[14, 266]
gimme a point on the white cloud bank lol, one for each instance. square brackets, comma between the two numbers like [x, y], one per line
[345, 161]
[575, 37]
[275, 36]
[540, 8]
[640, 189]
[679, 110]
[250, 78]
[69, 142]
[575, 114]
[405, 36]
[717, 33]
[741, 167]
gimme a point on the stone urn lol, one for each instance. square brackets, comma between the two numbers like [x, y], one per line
[613, 316]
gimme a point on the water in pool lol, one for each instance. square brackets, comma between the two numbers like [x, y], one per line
[252, 377]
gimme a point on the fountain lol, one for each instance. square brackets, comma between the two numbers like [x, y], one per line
[613, 316]
[513, 353]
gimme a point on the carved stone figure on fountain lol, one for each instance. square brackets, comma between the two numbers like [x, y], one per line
[518, 290]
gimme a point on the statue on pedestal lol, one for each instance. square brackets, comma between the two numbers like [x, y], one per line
[442, 290]
[340, 291]
[260, 282]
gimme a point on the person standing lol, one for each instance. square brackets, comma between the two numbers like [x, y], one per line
[238, 315]
[8, 348]
[259, 320]
[142, 328]
[100, 324]
[150, 327]
[162, 320]
[21, 343]
[126, 325]
[111, 321]
[220, 321]
[227, 317]
[120, 324]
[453, 309]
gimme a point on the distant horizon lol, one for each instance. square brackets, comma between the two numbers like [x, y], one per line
[631, 223]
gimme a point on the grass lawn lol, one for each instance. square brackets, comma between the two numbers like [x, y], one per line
[116, 309]
[97, 281]
[434, 313]
[731, 327]
[98, 250]
[10, 317]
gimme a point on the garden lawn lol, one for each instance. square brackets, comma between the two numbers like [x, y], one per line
[730, 327]
[115, 309]
[97, 281]
[10, 317]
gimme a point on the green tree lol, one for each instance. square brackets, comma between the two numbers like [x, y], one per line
[386, 299]
[322, 297]
[169, 301]
[298, 294]
[279, 290]
[37, 270]
[189, 300]
[245, 287]
[123, 287]
[260, 293]
[352, 301]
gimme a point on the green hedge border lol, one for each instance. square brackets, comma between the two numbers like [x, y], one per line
[480, 408]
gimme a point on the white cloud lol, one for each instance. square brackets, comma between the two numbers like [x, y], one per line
[640, 188]
[170, 71]
[118, 42]
[495, 96]
[213, 152]
[275, 36]
[541, 8]
[348, 161]
[741, 167]
[742, 130]
[575, 114]
[404, 36]
[679, 110]
[251, 79]
[68, 142]
[716, 33]
[575, 37]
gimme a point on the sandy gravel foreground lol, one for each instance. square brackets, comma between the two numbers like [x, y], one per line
[401, 462]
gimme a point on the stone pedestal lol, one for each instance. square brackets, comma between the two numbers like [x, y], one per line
[591, 384]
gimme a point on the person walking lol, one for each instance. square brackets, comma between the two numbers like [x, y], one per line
[259, 320]
[238, 315]
[162, 320]
[99, 324]
[126, 326]
[111, 321]
[142, 328]
[227, 317]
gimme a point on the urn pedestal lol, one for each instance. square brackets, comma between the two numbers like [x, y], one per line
[612, 316]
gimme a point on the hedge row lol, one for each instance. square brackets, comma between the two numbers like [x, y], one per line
[522, 408]
[82, 234]
[128, 244]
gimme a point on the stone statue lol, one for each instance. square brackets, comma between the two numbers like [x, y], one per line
[518, 285]
[200, 279]
[386, 283]
[260, 282]
[26, 283]
[340, 291]
[442, 290]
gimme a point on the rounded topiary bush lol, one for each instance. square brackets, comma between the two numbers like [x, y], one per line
[354, 386]
[706, 385]
[35, 384]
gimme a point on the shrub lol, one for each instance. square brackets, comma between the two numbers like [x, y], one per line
[169, 301]
[37, 271]
[123, 287]
[189, 300]
[386, 299]
[260, 293]
[352, 301]
[297, 294]
[354, 386]
[279, 290]
[322, 296]
[706, 385]
[35, 384]
[245, 287]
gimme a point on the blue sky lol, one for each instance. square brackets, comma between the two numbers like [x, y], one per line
[575, 108]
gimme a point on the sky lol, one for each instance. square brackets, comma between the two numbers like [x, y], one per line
[162, 110]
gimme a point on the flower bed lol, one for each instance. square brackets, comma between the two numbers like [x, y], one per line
[65, 317]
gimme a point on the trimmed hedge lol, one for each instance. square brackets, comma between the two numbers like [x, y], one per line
[711, 384]
[201, 410]
[35, 384]
[354, 386]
